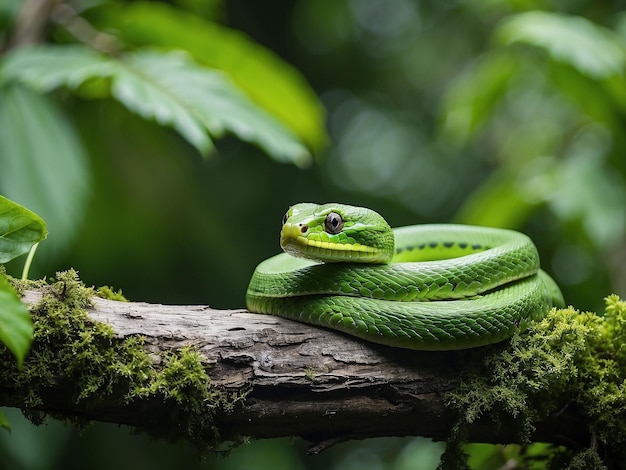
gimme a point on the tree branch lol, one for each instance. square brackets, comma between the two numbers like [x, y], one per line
[31, 21]
[35, 15]
[297, 380]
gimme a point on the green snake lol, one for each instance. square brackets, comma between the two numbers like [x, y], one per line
[425, 287]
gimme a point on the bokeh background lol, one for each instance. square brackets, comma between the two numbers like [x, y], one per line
[506, 113]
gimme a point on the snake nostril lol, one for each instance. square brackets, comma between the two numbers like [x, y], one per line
[303, 228]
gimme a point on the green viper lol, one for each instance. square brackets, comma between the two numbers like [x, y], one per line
[428, 287]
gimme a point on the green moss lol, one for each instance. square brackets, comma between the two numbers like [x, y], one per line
[568, 359]
[309, 374]
[85, 359]
[107, 292]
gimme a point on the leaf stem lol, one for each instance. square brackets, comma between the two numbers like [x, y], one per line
[29, 260]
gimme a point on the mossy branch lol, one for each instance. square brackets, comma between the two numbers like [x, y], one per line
[212, 376]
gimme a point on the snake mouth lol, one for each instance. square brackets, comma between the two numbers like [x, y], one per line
[331, 246]
[294, 240]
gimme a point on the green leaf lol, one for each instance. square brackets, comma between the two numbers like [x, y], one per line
[167, 87]
[44, 165]
[16, 326]
[48, 67]
[269, 81]
[144, 91]
[20, 229]
[173, 89]
[591, 49]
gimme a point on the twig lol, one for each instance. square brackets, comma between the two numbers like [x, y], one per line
[31, 22]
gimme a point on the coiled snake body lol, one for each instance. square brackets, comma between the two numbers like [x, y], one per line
[427, 287]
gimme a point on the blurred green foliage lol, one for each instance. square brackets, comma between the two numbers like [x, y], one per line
[495, 112]
[20, 232]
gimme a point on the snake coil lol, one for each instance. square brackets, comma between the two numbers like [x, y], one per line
[425, 287]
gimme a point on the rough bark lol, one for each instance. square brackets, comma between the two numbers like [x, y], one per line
[299, 380]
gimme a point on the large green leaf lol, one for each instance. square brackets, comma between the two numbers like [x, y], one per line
[20, 229]
[591, 49]
[269, 81]
[168, 87]
[145, 92]
[16, 326]
[44, 165]
[172, 87]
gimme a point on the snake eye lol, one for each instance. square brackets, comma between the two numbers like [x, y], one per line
[285, 217]
[333, 223]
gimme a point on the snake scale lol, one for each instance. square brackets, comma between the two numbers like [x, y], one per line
[424, 287]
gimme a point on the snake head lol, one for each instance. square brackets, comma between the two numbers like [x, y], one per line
[336, 233]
